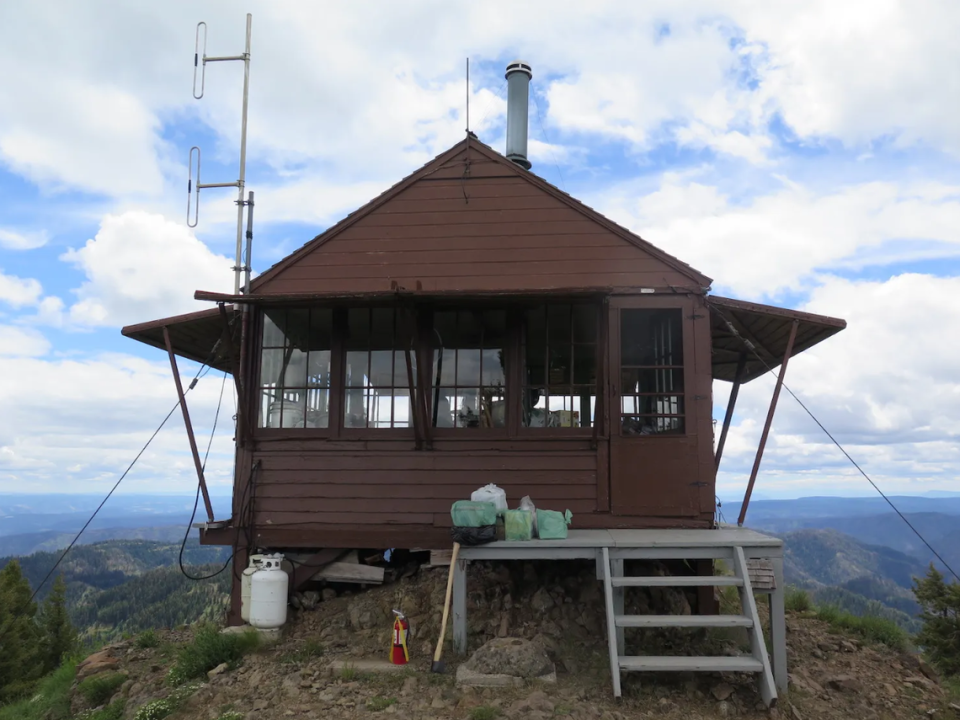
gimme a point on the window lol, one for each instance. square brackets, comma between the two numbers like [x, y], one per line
[469, 377]
[295, 368]
[559, 386]
[377, 389]
[651, 367]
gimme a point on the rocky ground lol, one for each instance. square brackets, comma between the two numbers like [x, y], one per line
[831, 676]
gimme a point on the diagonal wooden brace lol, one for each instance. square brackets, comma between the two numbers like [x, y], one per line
[189, 425]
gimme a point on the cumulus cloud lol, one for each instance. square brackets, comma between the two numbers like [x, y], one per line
[887, 387]
[22, 342]
[141, 266]
[73, 425]
[18, 292]
[776, 241]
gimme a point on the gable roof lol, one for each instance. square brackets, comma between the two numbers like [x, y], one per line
[471, 164]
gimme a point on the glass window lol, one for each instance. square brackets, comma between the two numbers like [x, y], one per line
[377, 389]
[651, 372]
[295, 368]
[559, 387]
[469, 376]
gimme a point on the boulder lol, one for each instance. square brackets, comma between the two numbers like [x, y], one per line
[511, 656]
[97, 663]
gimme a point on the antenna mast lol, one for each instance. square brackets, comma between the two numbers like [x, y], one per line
[200, 60]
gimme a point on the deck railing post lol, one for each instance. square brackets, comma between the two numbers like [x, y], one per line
[769, 422]
[189, 425]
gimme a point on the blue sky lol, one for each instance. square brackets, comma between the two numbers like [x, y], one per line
[800, 153]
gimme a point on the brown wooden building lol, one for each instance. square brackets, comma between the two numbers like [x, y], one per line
[474, 324]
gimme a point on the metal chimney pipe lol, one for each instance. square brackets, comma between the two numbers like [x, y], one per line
[518, 99]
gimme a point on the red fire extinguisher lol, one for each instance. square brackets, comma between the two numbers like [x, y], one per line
[399, 654]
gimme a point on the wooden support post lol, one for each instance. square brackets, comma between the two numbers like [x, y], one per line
[459, 602]
[731, 404]
[778, 627]
[186, 421]
[304, 571]
[769, 422]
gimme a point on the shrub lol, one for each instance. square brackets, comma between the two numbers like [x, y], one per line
[98, 689]
[376, 704]
[147, 639]
[797, 600]
[484, 712]
[940, 614]
[208, 649]
[154, 710]
[113, 711]
[51, 700]
[869, 627]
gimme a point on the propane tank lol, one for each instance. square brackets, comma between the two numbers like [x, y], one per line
[248, 572]
[399, 654]
[268, 593]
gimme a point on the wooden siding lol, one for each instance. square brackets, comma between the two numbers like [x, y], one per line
[490, 230]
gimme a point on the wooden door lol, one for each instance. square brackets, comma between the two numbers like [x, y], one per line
[654, 444]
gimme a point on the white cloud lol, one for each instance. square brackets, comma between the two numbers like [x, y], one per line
[73, 425]
[140, 267]
[18, 292]
[775, 242]
[13, 240]
[887, 387]
[22, 342]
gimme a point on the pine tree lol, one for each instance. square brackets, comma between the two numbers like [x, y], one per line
[940, 614]
[59, 635]
[21, 662]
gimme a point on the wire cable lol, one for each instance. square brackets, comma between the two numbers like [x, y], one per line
[196, 499]
[749, 345]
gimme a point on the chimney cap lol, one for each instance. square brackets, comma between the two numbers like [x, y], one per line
[519, 66]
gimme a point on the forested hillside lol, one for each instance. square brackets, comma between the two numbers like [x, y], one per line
[125, 586]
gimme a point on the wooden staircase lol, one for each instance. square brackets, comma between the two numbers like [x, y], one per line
[615, 583]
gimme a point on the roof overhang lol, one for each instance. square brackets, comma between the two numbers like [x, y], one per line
[767, 328]
[194, 336]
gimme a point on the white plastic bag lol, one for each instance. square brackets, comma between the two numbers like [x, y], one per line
[492, 494]
[527, 504]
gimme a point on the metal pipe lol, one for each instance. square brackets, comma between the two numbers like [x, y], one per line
[518, 99]
[731, 403]
[768, 423]
[243, 154]
[215, 185]
[247, 265]
[189, 425]
[224, 58]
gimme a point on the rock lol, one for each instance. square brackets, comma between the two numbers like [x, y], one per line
[844, 683]
[309, 599]
[889, 689]
[847, 646]
[504, 629]
[722, 691]
[328, 594]
[794, 713]
[666, 707]
[97, 663]
[296, 602]
[218, 670]
[511, 656]
[928, 671]
[409, 687]
[827, 646]
[725, 709]
[534, 702]
[541, 601]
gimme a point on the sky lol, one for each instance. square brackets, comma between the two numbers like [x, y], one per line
[804, 154]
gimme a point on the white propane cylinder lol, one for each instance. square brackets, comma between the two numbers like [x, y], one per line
[268, 593]
[245, 579]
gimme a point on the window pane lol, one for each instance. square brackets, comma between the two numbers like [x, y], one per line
[318, 405]
[652, 404]
[272, 334]
[468, 367]
[659, 380]
[356, 368]
[560, 366]
[471, 408]
[650, 337]
[318, 369]
[285, 410]
[381, 368]
[651, 425]
[321, 329]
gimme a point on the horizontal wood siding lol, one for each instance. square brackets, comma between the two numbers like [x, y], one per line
[317, 484]
[485, 231]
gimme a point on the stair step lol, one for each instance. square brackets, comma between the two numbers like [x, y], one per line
[688, 621]
[681, 581]
[671, 663]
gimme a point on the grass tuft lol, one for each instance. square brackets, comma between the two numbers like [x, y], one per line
[147, 639]
[376, 704]
[797, 600]
[208, 649]
[98, 689]
[50, 700]
[484, 712]
[303, 653]
[870, 628]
